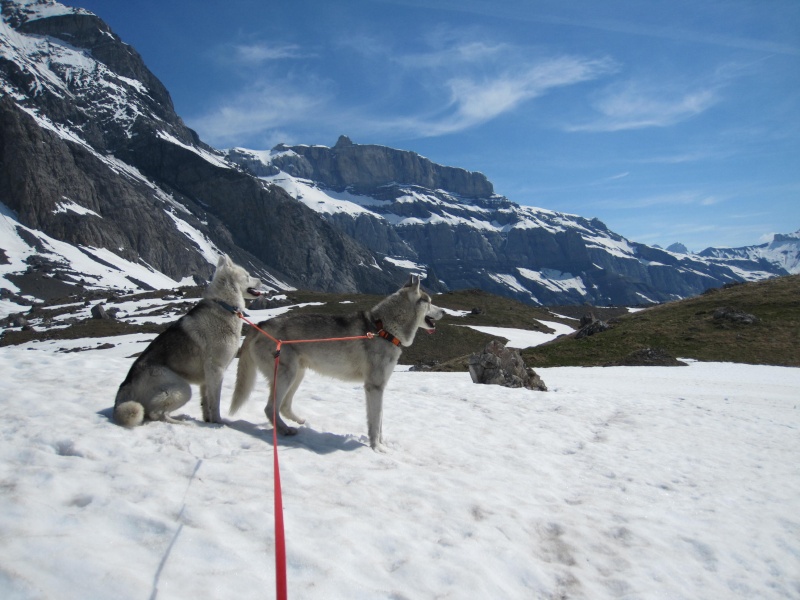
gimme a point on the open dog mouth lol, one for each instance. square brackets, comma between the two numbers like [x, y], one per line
[254, 292]
[431, 324]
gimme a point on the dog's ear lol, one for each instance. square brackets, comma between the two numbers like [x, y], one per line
[223, 261]
[413, 283]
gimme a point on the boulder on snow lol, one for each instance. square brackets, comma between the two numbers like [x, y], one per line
[499, 365]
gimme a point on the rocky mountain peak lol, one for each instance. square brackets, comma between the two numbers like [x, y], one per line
[68, 65]
[678, 248]
[18, 12]
[343, 142]
[364, 168]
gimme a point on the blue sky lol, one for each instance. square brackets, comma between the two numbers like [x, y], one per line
[670, 121]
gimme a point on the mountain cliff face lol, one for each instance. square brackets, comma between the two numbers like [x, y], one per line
[99, 177]
[449, 224]
[92, 154]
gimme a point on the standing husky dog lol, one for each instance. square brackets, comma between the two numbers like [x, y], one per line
[395, 319]
[197, 348]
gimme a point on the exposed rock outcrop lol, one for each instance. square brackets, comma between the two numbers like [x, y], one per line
[590, 325]
[498, 365]
[364, 167]
[733, 315]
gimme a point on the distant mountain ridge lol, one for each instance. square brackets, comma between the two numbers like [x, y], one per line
[103, 185]
[366, 167]
[783, 251]
[461, 234]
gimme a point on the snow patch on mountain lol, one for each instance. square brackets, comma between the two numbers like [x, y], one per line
[409, 265]
[512, 283]
[32, 10]
[201, 152]
[323, 201]
[110, 271]
[207, 248]
[71, 206]
[555, 280]
[70, 72]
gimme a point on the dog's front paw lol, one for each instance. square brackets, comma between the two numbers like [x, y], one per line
[379, 447]
[293, 417]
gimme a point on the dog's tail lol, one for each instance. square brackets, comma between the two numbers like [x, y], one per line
[129, 413]
[246, 373]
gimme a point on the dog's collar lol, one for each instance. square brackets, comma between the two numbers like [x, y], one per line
[385, 334]
[231, 309]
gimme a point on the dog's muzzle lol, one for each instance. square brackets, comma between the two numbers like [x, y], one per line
[431, 324]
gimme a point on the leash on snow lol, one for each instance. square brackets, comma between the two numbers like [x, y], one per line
[280, 537]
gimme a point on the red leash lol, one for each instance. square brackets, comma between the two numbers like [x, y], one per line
[281, 585]
[280, 537]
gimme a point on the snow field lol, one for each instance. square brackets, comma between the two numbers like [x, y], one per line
[629, 482]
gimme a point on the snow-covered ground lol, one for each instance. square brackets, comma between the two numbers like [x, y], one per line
[524, 338]
[624, 482]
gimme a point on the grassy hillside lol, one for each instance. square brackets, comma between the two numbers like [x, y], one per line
[684, 329]
[688, 329]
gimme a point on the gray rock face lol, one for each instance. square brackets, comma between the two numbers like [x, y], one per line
[366, 167]
[40, 173]
[498, 365]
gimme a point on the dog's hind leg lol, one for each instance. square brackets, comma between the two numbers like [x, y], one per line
[170, 393]
[246, 373]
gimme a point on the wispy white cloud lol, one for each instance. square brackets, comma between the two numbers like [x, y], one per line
[665, 21]
[241, 57]
[261, 52]
[683, 198]
[635, 105]
[477, 98]
[456, 84]
[455, 55]
[259, 111]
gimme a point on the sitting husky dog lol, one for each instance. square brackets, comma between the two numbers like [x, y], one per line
[395, 319]
[197, 348]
